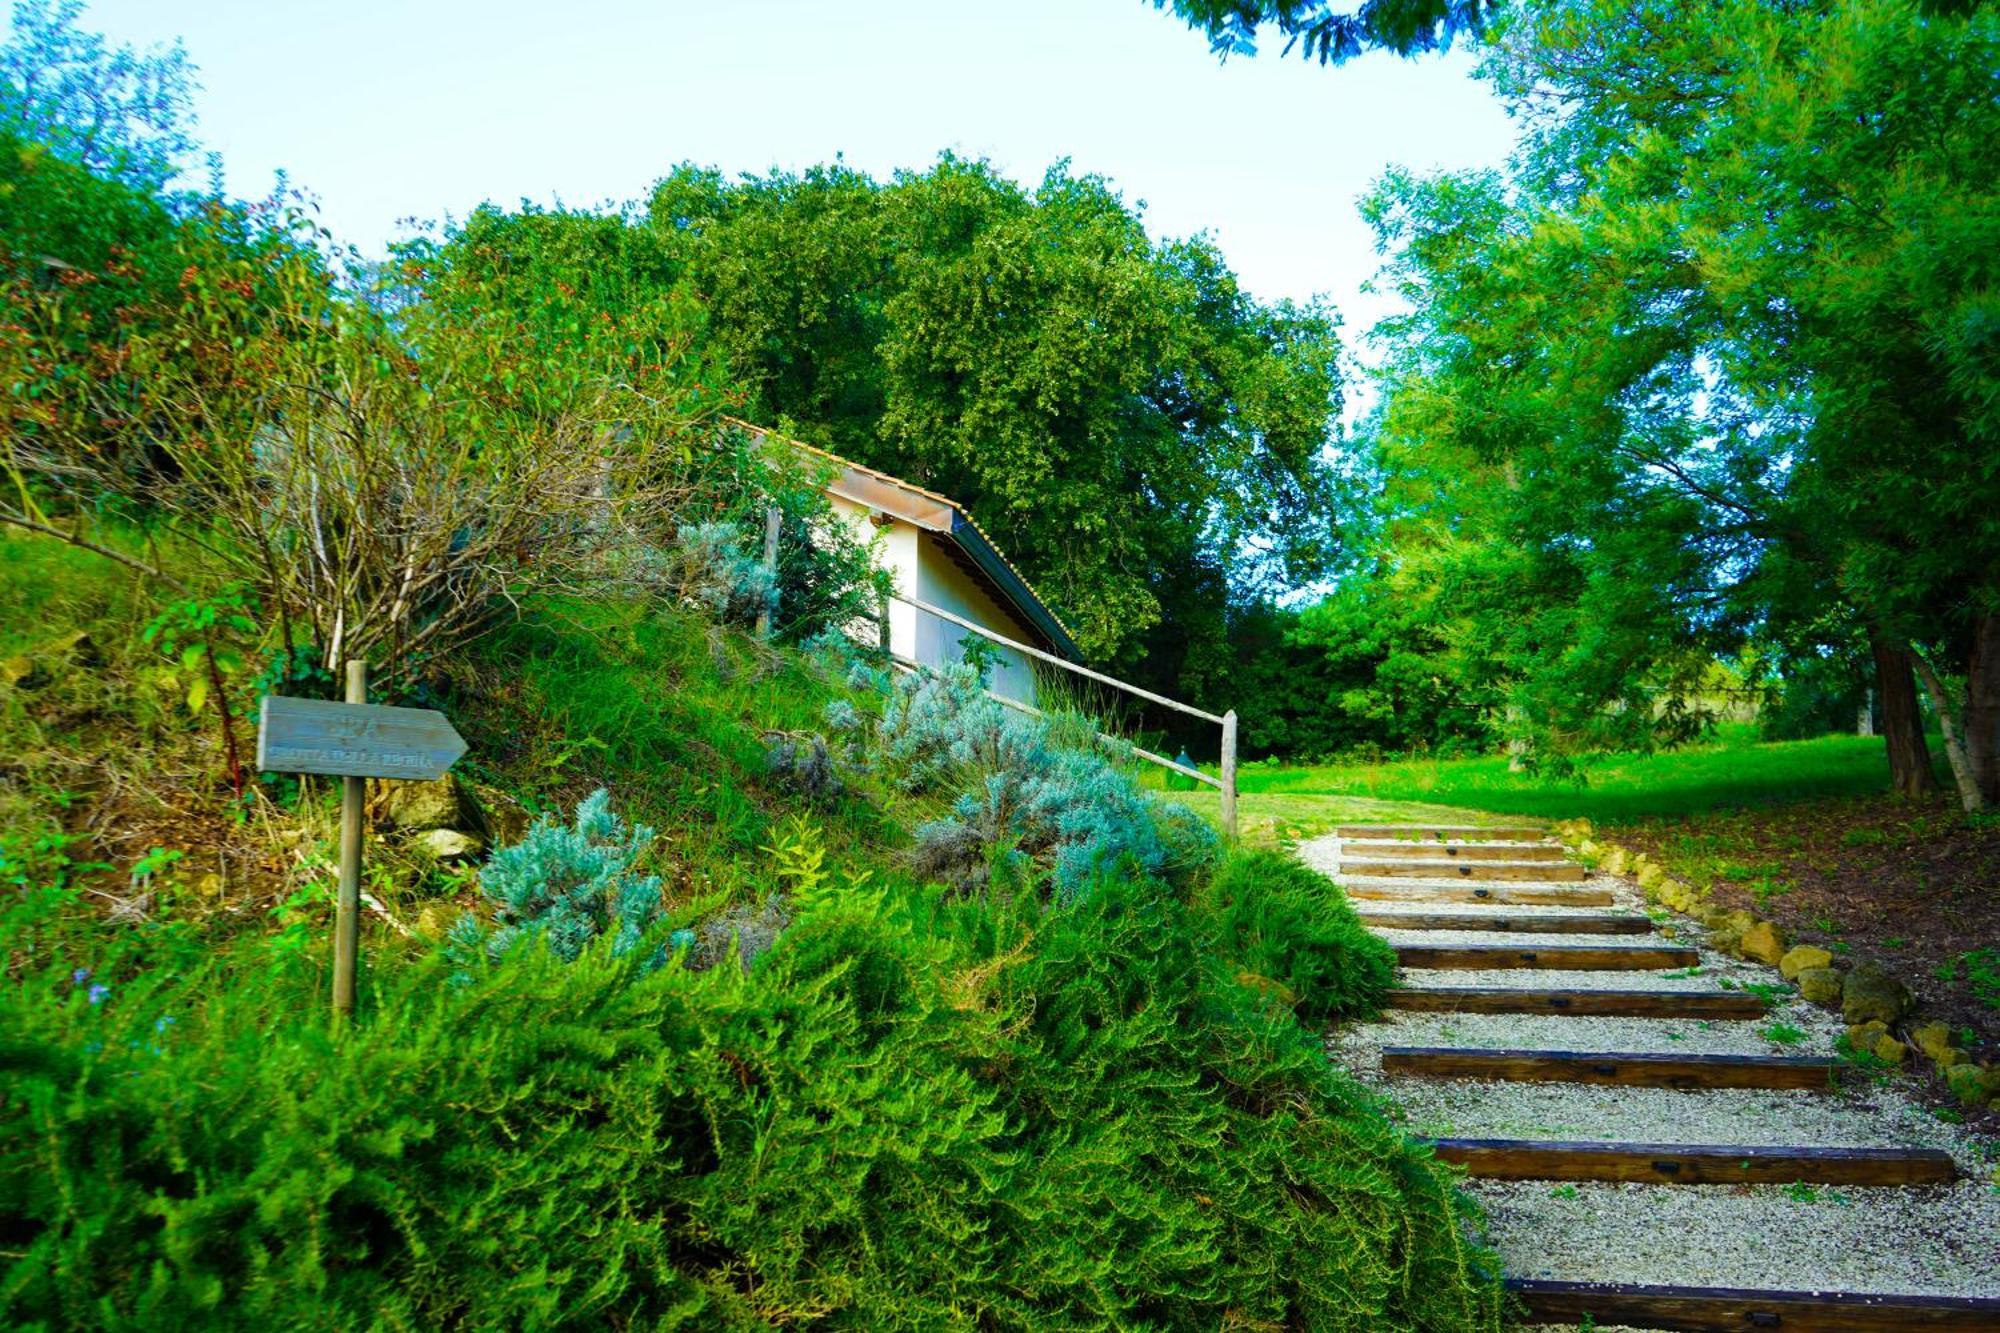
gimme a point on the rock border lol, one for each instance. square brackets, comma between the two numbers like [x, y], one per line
[1879, 1008]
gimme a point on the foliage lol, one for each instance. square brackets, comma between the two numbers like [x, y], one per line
[1329, 35]
[567, 887]
[1024, 797]
[120, 114]
[910, 1114]
[1291, 926]
[1762, 231]
[707, 568]
[954, 329]
[803, 764]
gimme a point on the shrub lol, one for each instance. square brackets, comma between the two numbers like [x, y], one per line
[1285, 922]
[802, 765]
[567, 886]
[1024, 796]
[707, 568]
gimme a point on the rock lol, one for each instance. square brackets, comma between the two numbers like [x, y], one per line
[1739, 921]
[1615, 861]
[506, 822]
[1934, 1040]
[1677, 896]
[443, 804]
[1821, 985]
[1764, 943]
[1651, 876]
[447, 844]
[1887, 1048]
[1801, 958]
[1588, 850]
[1872, 994]
[1863, 1036]
[1724, 940]
[1972, 1085]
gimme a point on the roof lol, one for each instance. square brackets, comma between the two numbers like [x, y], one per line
[944, 516]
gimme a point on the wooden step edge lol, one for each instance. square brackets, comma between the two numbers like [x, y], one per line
[1709, 1309]
[1539, 872]
[1500, 923]
[1590, 1003]
[1537, 895]
[1557, 957]
[1445, 832]
[1617, 1068]
[1694, 1164]
[1469, 851]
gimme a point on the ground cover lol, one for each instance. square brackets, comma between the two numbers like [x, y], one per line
[1733, 770]
[1913, 886]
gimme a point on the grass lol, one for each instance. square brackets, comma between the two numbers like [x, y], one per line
[1733, 770]
[1276, 819]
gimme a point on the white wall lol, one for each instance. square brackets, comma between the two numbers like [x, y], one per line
[922, 570]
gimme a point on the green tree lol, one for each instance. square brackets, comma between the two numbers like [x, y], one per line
[1723, 337]
[1319, 31]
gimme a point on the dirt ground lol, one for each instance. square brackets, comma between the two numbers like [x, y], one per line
[1912, 886]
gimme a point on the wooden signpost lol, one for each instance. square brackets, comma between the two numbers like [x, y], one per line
[353, 741]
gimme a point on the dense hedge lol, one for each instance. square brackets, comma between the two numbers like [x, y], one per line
[914, 1112]
[1291, 925]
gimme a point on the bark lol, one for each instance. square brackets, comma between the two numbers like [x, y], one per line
[1982, 708]
[1950, 716]
[1910, 772]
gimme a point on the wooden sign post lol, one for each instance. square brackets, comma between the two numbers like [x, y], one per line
[353, 741]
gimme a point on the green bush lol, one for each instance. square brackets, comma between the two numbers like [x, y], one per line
[1291, 925]
[914, 1112]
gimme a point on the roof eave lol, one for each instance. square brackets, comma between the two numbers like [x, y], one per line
[966, 534]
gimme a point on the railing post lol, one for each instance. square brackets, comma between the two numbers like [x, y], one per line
[771, 521]
[1229, 775]
[347, 905]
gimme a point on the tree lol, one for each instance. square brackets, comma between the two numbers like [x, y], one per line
[1331, 36]
[1144, 439]
[120, 114]
[1736, 293]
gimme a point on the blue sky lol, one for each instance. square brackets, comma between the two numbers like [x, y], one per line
[390, 109]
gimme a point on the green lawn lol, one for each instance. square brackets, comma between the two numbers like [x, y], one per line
[1735, 770]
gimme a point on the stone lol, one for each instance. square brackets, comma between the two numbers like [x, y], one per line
[1821, 985]
[1616, 861]
[1889, 1050]
[506, 822]
[1872, 994]
[1651, 876]
[1863, 1036]
[1934, 1040]
[447, 844]
[1764, 943]
[1801, 957]
[1972, 1085]
[1724, 940]
[443, 804]
[1587, 850]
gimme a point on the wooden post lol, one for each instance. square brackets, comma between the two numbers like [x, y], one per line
[1229, 775]
[882, 623]
[347, 910]
[772, 518]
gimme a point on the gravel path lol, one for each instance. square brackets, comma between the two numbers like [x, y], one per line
[1937, 1240]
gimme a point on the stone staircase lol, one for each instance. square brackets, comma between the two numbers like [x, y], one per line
[1659, 1139]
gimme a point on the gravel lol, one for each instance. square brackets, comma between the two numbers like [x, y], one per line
[1930, 1239]
[1938, 1240]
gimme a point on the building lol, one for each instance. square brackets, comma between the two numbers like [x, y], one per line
[939, 558]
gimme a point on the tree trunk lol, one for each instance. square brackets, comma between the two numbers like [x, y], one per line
[1902, 724]
[1982, 707]
[1950, 716]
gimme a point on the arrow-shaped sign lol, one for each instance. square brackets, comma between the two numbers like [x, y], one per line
[355, 740]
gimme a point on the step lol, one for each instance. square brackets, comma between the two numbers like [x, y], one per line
[1586, 1003]
[1445, 832]
[1694, 1164]
[1551, 872]
[1455, 851]
[1634, 1069]
[1701, 1309]
[1609, 923]
[1570, 958]
[1569, 895]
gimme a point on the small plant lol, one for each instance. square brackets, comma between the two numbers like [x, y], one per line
[1565, 1192]
[1864, 836]
[187, 631]
[802, 764]
[1800, 1192]
[1982, 974]
[567, 886]
[708, 569]
[1783, 1034]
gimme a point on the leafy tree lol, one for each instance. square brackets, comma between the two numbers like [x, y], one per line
[1716, 349]
[1319, 31]
[119, 113]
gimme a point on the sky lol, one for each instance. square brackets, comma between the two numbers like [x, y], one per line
[388, 110]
